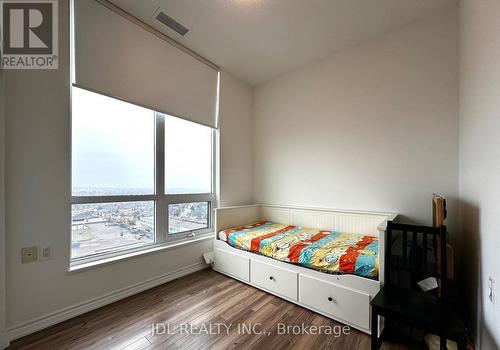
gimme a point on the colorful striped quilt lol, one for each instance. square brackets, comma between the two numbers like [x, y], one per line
[326, 251]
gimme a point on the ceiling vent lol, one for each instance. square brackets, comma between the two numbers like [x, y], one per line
[171, 23]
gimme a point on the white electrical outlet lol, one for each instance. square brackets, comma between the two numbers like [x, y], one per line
[45, 252]
[491, 289]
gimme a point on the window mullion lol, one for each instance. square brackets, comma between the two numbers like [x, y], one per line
[215, 178]
[168, 200]
[161, 208]
[189, 198]
[111, 198]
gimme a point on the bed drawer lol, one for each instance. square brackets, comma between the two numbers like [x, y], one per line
[275, 279]
[339, 302]
[232, 264]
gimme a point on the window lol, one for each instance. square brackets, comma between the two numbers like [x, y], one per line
[188, 149]
[104, 227]
[138, 177]
[186, 217]
[113, 146]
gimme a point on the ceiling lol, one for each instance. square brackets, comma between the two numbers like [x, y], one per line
[257, 40]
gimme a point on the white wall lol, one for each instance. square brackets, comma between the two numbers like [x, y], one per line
[38, 194]
[480, 163]
[236, 158]
[3, 338]
[374, 127]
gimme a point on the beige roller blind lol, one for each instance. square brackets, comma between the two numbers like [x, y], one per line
[119, 58]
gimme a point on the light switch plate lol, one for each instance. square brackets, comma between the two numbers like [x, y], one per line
[29, 254]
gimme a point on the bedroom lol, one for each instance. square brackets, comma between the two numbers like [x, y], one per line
[331, 115]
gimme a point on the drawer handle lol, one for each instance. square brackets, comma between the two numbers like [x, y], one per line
[272, 278]
[332, 300]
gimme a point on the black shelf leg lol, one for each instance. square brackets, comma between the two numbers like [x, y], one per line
[374, 329]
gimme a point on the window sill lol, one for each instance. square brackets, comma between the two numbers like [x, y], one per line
[83, 266]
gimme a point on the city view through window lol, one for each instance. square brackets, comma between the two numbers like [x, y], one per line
[113, 154]
[101, 227]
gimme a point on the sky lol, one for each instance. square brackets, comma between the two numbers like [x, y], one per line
[113, 147]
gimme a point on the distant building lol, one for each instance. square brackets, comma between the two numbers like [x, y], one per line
[148, 222]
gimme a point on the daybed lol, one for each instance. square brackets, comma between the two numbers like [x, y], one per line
[329, 261]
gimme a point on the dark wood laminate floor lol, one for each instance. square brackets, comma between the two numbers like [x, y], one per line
[201, 299]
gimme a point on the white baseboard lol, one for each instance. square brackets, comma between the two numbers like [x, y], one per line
[92, 304]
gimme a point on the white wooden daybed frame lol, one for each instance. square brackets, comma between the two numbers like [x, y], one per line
[345, 298]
